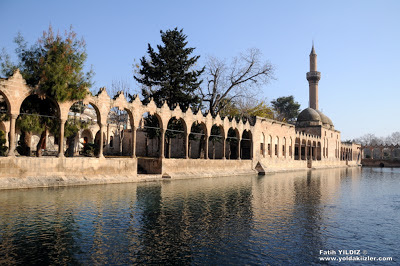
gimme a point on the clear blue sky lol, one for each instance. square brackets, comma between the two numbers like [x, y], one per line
[357, 42]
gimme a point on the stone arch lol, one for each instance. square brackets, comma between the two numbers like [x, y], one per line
[120, 126]
[246, 144]
[313, 149]
[86, 136]
[7, 101]
[297, 149]
[276, 146]
[46, 111]
[232, 144]
[175, 141]
[216, 142]
[309, 149]
[197, 140]
[284, 147]
[148, 135]
[303, 152]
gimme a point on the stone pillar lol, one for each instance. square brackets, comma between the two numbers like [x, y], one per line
[11, 138]
[372, 153]
[186, 145]
[101, 141]
[61, 140]
[239, 150]
[205, 146]
[133, 142]
[162, 140]
[305, 152]
[223, 148]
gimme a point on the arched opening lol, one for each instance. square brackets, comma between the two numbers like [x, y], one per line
[319, 151]
[314, 150]
[119, 128]
[377, 154]
[284, 147]
[4, 117]
[291, 148]
[303, 150]
[38, 119]
[232, 144]
[175, 145]
[148, 136]
[309, 150]
[246, 145]
[387, 153]
[197, 141]
[215, 143]
[276, 146]
[297, 149]
[381, 165]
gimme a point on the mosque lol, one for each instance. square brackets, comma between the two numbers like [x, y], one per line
[205, 144]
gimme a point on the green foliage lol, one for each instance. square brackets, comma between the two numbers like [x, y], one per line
[90, 149]
[168, 75]
[247, 110]
[287, 108]
[54, 64]
[29, 123]
[72, 127]
[3, 147]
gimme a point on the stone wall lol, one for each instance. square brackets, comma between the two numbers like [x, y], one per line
[27, 172]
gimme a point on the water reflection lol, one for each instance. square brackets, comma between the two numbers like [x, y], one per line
[279, 218]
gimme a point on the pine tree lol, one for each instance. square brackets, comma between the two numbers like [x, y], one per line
[168, 74]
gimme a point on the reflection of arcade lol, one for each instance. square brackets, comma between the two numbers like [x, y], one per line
[292, 208]
[181, 219]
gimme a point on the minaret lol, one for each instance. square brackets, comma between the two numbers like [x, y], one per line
[313, 78]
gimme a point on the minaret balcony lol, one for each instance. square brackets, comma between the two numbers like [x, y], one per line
[314, 75]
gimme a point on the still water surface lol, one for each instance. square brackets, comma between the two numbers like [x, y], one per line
[284, 218]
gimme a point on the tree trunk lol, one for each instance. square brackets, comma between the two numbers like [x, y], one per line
[213, 151]
[121, 138]
[71, 145]
[25, 143]
[40, 144]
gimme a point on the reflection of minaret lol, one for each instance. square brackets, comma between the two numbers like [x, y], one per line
[313, 78]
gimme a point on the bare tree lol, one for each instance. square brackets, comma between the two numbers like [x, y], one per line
[238, 80]
[117, 117]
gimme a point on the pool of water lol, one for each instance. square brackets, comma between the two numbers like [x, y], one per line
[285, 218]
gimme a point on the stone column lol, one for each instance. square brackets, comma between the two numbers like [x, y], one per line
[162, 140]
[133, 147]
[239, 150]
[224, 149]
[186, 145]
[108, 134]
[11, 138]
[205, 146]
[61, 141]
[101, 141]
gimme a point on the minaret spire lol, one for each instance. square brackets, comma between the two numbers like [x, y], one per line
[313, 78]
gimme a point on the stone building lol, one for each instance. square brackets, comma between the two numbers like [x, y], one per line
[259, 143]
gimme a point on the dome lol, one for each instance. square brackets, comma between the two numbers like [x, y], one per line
[324, 118]
[309, 115]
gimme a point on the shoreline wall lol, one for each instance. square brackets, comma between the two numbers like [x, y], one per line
[31, 172]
